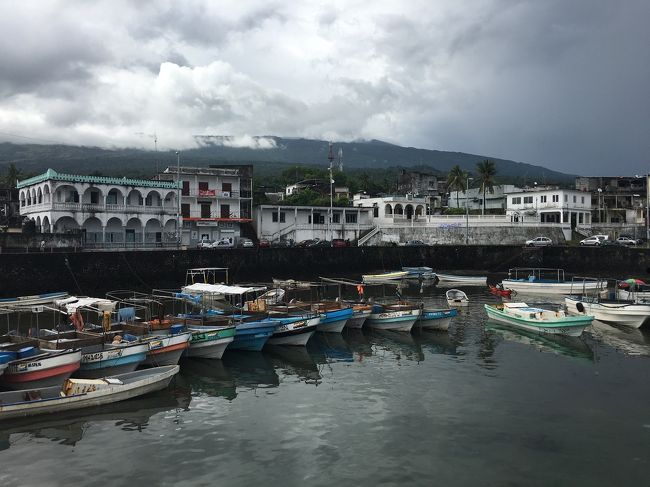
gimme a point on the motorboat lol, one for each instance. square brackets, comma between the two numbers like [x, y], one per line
[436, 319]
[458, 280]
[399, 316]
[536, 280]
[539, 320]
[384, 277]
[456, 297]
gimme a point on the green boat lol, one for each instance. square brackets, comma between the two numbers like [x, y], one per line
[209, 341]
[539, 320]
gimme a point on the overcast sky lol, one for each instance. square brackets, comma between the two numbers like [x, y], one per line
[560, 83]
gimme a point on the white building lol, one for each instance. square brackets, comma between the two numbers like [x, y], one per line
[473, 198]
[110, 212]
[276, 222]
[215, 200]
[393, 209]
[550, 206]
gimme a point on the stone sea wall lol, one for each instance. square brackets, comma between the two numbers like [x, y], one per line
[91, 273]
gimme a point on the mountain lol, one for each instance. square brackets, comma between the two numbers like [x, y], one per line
[275, 155]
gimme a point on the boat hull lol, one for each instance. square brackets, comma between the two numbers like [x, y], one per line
[295, 333]
[333, 321]
[167, 350]
[574, 328]
[209, 342]
[624, 314]
[393, 320]
[111, 360]
[40, 371]
[358, 319]
[113, 393]
[252, 337]
[557, 288]
[436, 320]
[453, 280]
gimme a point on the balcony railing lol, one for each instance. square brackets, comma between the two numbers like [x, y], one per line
[99, 208]
[214, 193]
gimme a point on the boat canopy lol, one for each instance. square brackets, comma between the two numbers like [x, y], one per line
[201, 287]
[72, 304]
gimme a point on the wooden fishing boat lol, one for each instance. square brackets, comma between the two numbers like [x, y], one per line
[499, 291]
[456, 297]
[535, 280]
[334, 315]
[360, 313]
[166, 348]
[112, 358]
[538, 320]
[400, 316]
[436, 319]
[35, 368]
[252, 335]
[421, 272]
[456, 280]
[293, 330]
[33, 300]
[82, 393]
[386, 276]
[610, 311]
[209, 341]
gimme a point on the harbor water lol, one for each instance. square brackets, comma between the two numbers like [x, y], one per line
[480, 404]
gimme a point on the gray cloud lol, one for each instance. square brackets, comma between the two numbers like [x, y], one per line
[563, 84]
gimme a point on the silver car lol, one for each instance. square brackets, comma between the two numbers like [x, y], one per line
[593, 240]
[539, 242]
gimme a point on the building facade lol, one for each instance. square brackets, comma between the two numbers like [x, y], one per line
[423, 184]
[394, 209]
[616, 199]
[473, 198]
[108, 212]
[550, 206]
[215, 201]
[283, 223]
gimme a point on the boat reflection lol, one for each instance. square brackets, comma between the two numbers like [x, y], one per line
[332, 347]
[207, 376]
[251, 369]
[401, 344]
[358, 342]
[298, 361]
[68, 428]
[631, 341]
[438, 342]
[560, 345]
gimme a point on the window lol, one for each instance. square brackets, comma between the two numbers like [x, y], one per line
[275, 217]
[542, 199]
[582, 200]
[516, 201]
[225, 211]
[375, 212]
[185, 210]
[574, 198]
[556, 198]
[566, 198]
[336, 218]
[226, 187]
[148, 201]
[205, 210]
[528, 199]
[282, 217]
[186, 188]
[319, 219]
[94, 198]
[203, 186]
[350, 218]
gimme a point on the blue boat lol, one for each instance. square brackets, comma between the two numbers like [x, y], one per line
[252, 335]
[436, 319]
[110, 359]
[333, 320]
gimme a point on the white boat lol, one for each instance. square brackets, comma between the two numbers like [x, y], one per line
[292, 331]
[360, 314]
[397, 317]
[538, 320]
[421, 272]
[166, 349]
[455, 280]
[547, 281]
[209, 341]
[37, 368]
[436, 319]
[82, 393]
[33, 300]
[614, 312]
[386, 276]
[636, 296]
[456, 297]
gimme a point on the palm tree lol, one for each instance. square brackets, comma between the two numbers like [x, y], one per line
[486, 171]
[13, 173]
[456, 181]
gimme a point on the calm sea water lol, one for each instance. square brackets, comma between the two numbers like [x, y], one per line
[479, 405]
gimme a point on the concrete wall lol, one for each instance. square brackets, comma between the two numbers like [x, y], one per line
[454, 234]
[20, 241]
[94, 273]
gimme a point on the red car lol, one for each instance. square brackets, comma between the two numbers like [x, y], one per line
[264, 243]
[339, 242]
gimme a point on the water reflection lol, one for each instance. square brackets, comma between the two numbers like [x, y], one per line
[68, 428]
[251, 369]
[557, 344]
[438, 342]
[210, 377]
[295, 361]
[331, 347]
[358, 342]
[398, 344]
[631, 341]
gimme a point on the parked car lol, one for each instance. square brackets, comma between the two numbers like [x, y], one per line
[223, 243]
[602, 238]
[306, 243]
[246, 243]
[263, 243]
[205, 244]
[539, 242]
[610, 242]
[638, 241]
[624, 240]
[416, 243]
[593, 240]
[339, 242]
[321, 243]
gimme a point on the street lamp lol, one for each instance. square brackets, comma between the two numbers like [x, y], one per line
[600, 215]
[467, 209]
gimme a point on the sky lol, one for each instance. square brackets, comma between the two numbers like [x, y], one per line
[560, 83]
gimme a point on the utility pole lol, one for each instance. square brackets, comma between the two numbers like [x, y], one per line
[330, 157]
[467, 209]
[178, 193]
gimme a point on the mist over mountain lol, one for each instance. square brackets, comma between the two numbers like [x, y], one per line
[268, 154]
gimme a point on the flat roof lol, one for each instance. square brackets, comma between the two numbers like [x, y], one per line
[52, 175]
